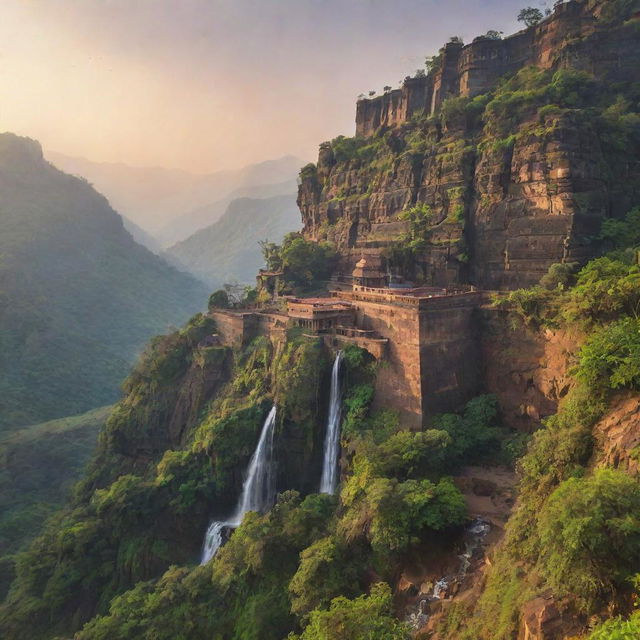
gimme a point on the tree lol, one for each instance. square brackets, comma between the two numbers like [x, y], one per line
[420, 73]
[364, 618]
[305, 264]
[590, 536]
[326, 570]
[432, 63]
[219, 299]
[530, 16]
[620, 234]
[271, 254]
[456, 40]
[494, 35]
[372, 93]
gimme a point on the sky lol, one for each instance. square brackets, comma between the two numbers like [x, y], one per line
[205, 85]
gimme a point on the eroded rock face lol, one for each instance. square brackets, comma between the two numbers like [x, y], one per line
[577, 34]
[506, 201]
[543, 619]
[526, 369]
[617, 435]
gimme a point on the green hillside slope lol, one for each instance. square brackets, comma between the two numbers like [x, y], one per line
[228, 250]
[78, 296]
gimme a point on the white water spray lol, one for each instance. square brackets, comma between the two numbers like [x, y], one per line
[329, 479]
[258, 490]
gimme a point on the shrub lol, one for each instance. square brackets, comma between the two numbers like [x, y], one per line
[219, 299]
[327, 569]
[364, 618]
[590, 536]
[610, 358]
[618, 629]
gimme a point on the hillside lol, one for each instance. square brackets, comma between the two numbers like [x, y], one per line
[189, 223]
[156, 198]
[40, 464]
[79, 298]
[228, 251]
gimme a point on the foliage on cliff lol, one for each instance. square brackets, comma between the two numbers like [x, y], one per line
[575, 532]
[431, 192]
[171, 456]
[306, 266]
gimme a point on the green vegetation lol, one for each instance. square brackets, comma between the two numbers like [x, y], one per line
[79, 298]
[589, 533]
[39, 465]
[364, 618]
[119, 560]
[618, 629]
[576, 530]
[306, 265]
[531, 16]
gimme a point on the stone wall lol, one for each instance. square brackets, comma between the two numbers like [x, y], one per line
[450, 358]
[236, 329]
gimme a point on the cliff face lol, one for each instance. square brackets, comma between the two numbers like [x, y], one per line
[516, 176]
[571, 37]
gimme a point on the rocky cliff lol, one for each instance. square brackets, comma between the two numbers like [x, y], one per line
[519, 148]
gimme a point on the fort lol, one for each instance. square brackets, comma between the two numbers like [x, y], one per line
[499, 211]
[426, 336]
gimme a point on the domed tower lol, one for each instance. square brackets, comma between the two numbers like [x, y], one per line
[369, 273]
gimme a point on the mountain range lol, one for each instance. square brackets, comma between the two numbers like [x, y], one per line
[171, 204]
[228, 250]
[78, 296]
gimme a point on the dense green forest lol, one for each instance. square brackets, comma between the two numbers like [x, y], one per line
[39, 465]
[279, 571]
[307, 566]
[78, 297]
[318, 566]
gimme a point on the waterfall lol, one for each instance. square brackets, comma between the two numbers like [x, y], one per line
[329, 480]
[258, 490]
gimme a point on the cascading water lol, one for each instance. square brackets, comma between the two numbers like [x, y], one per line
[329, 479]
[258, 490]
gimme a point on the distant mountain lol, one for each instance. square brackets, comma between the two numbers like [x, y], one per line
[228, 250]
[78, 296]
[155, 197]
[141, 236]
[187, 224]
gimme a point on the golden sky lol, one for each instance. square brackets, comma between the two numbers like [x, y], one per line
[205, 85]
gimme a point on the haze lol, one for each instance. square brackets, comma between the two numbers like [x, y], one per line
[205, 85]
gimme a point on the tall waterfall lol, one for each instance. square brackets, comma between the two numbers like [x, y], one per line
[329, 480]
[258, 490]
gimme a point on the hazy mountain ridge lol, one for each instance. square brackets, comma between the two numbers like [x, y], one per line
[229, 250]
[186, 225]
[155, 198]
[78, 296]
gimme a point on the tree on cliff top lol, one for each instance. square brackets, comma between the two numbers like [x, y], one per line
[530, 16]
[305, 264]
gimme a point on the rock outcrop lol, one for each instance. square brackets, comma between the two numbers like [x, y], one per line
[510, 191]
